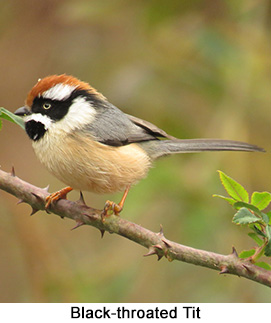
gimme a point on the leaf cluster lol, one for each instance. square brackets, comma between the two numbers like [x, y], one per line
[249, 212]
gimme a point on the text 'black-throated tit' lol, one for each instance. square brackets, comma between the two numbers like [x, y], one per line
[91, 145]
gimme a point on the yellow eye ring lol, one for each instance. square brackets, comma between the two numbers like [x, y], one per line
[46, 106]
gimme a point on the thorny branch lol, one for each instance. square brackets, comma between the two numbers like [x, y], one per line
[156, 243]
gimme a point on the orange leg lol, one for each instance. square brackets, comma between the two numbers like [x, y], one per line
[116, 208]
[54, 197]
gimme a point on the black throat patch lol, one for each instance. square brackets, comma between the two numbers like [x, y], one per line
[35, 129]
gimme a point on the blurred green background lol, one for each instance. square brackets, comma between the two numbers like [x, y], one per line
[196, 69]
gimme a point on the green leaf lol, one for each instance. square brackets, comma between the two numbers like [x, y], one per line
[228, 199]
[5, 114]
[255, 237]
[269, 215]
[244, 216]
[268, 231]
[265, 218]
[261, 199]
[257, 228]
[263, 264]
[267, 249]
[246, 253]
[239, 205]
[234, 189]
[262, 216]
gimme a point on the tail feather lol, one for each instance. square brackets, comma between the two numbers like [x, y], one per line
[165, 147]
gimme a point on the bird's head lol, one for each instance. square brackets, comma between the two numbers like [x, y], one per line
[58, 100]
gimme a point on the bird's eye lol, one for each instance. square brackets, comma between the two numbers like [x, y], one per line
[46, 106]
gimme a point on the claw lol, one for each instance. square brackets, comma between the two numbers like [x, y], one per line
[111, 206]
[54, 197]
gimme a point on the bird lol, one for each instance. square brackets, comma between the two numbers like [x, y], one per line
[91, 145]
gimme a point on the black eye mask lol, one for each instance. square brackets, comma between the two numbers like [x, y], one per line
[58, 109]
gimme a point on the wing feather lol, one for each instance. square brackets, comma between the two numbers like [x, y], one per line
[115, 128]
[150, 127]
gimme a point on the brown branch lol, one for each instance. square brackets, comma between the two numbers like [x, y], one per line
[156, 243]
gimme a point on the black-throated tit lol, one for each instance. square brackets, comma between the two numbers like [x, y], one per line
[91, 145]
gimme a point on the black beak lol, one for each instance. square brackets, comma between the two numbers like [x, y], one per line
[23, 111]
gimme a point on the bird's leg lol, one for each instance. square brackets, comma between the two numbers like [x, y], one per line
[116, 208]
[54, 197]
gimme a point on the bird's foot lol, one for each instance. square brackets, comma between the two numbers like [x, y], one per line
[54, 197]
[114, 207]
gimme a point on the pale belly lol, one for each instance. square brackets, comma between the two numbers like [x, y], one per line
[87, 165]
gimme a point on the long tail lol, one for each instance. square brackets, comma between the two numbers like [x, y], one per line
[165, 147]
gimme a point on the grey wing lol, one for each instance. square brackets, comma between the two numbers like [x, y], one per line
[113, 127]
[149, 127]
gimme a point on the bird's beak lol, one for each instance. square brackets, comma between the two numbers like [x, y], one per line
[23, 111]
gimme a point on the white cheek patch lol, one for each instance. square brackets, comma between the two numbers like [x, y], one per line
[80, 114]
[59, 92]
[38, 117]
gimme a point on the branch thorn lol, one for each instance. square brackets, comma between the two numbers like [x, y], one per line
[157, 246]
[78, 224]
[159, 256]
[151, 252]
[224, 270]
[38, 197]
[20, 201]
[81, 199]
[234, 252]
[13, 172]
[161, 232]
[102, 233]
[166, 242]
[34, 211]
[91, 217]
[46, 188]
[247, 268]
